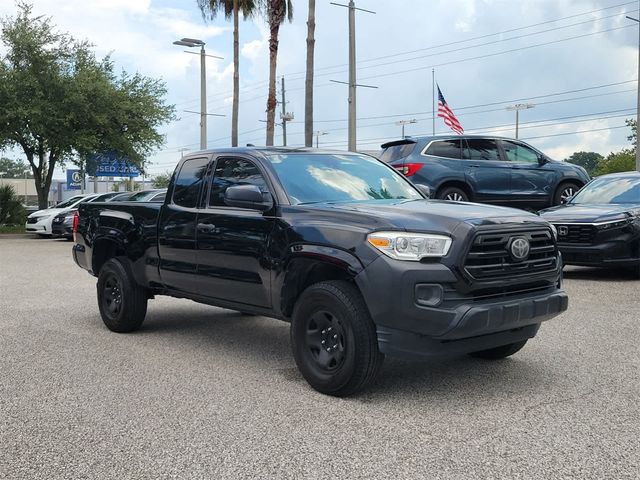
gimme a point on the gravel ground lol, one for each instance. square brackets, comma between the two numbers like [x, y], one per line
[202, 392]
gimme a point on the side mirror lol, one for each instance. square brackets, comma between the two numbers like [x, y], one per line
[247, 196]
[542, 159]
[426, 191]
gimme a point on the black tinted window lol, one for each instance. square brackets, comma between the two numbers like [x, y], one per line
[188, 182]
[445, 148]
[482, 149]
[395, 152]
[234, 171]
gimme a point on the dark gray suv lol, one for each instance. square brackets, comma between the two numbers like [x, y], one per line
[501, 171]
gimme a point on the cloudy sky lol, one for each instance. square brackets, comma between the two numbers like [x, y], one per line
[576, 60]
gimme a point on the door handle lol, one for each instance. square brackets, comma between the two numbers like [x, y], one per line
[206, 228]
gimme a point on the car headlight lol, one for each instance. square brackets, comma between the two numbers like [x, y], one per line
[614, 224]
[410, 246]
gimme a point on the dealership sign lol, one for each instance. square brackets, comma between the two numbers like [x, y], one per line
[110, 165]
[74, 179]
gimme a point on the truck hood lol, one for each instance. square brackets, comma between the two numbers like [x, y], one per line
[589, 213]
[435, 215]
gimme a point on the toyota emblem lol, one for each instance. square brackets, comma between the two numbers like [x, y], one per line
[520, 248]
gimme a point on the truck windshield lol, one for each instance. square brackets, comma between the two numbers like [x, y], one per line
[610, 190]
[312, 178]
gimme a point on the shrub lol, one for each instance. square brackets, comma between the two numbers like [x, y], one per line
[11, 210]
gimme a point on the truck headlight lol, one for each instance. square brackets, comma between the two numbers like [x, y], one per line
[410, 246]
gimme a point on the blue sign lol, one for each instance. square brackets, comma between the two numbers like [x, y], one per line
[110, 165]
[74, 179]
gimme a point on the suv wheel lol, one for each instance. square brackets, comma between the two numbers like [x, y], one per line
[565, 192]
[499, 353]
[453, 194]
[122, 302]
[334, 341]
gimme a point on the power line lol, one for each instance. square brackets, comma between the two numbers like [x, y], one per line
[290, 76]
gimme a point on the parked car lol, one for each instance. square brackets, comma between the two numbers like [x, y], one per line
[600, 225]
[41, 221]
[340, 245]
[155, 195]
[105, 197]
[62, 224]
[495, 170]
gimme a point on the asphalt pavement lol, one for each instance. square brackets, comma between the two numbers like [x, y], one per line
[206, 393]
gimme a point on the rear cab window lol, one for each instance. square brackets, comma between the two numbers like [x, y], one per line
[188, 183]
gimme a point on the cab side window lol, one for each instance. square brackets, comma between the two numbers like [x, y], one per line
[234, 171]
[519, 153]
[186, 190]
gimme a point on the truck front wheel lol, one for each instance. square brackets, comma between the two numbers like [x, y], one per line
[500, 352]
[122, 302]
[334, 340]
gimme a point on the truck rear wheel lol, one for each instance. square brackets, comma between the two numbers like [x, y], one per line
[334, 340]
[499, 352]
[122, 302]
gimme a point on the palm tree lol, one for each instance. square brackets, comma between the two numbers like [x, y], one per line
[308, 84]
[231, 8]
[277, 12]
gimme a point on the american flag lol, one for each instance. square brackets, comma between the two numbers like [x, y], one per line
[447, 115]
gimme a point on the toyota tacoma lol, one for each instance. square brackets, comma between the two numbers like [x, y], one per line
[345, 248]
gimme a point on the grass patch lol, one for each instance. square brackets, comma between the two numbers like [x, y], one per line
[12, 229]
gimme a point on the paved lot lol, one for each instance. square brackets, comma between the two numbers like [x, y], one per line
[202, 392]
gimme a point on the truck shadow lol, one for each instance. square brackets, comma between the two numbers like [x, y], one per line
[600, 274]
[262, 345]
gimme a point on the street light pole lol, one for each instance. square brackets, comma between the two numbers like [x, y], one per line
[26, 172]
[517, 107]
[318, 134]
[194, 42]
[405, 122]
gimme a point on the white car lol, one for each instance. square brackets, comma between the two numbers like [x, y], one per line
[40, 222]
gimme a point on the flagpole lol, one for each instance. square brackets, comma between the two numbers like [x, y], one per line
[433, 99]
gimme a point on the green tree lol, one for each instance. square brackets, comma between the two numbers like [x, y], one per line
[588, 160]
[13, 168]
[11, 210]
[308, 85]
[623, 161]
[633, 136]
[231, 9]
[162, 180]
[277, 11]
[59, 103]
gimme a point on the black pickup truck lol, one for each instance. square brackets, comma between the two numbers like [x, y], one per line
[340, 245]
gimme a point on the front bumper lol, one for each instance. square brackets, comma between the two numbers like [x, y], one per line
[477, 319]
[605, 254]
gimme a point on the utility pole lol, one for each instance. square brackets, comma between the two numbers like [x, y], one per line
[193, 42]
[433, 99]
[517, 107]
[405, 122]
[284, 116]
[352, 72]
[638, 96]
[318, 134]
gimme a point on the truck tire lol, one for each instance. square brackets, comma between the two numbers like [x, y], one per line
[334, 340]
[122, 302]
[499, 353]
[453, 194]
[565, 190]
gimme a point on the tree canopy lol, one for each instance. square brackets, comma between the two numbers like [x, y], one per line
[13, 168]
[588, 160]
[59, 102]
